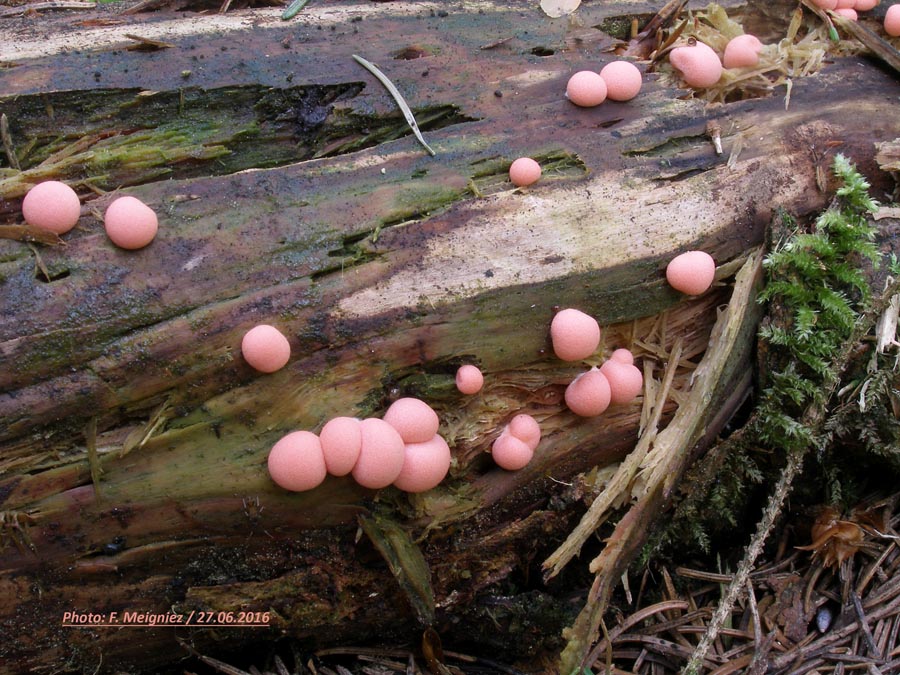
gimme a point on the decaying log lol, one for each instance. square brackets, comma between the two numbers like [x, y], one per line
[133, 437]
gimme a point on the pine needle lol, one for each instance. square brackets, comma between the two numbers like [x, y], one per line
[398, 97]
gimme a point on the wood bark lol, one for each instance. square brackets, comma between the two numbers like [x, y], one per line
[133, 437]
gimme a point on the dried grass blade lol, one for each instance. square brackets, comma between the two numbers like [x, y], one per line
[30, 233]
[293, 9]
[398, 97]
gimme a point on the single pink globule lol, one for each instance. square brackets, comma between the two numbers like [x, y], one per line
[130, 223]
[742, 51]
[51, 205]
[511, 453]
[691, 272]
[586, 89]
[265, 348]
[574, 334]
[469, 379]
[341, 440]
[381, 454]
[424, 465]
[623, 80]
[589, 394]
[414, 420]
[847, 13]
[865, 5]
[892, 21]
[698, 64]
[296, 462]
[623, 356]
[524, 171]
[526, 429]
[625, 381]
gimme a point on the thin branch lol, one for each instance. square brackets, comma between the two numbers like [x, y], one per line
[813, 419]
[723, 611]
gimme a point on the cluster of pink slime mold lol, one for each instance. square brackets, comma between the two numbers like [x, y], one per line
[52, 205]
[616, 81]
[402, 449]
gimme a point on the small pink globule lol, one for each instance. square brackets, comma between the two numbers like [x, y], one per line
[469, 379]
[265, 348]
[622, 356]
[847, 13]
[51, 205]
[414, 420]
[574, 334]
[623, 80]
[130, 224]
[381, 454]
[865, 5]
[589, 394]
[692, 272]
[511, 453]
[625, 381]
[425, 465]
[698, 64]
[892, 21]
[341, 440]
[742, 52]
[526, 429]
[586, 89]
[296, 462]
[524, 171]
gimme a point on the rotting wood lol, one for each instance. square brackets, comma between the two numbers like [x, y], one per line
[366, 258]
[730, 346]
[618, 490]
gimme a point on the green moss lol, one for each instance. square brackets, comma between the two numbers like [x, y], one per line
[491, 174]
[126, 137]
[619, 27]
[421, 200]
[817, 360]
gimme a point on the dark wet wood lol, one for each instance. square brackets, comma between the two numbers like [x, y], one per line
[386, 268]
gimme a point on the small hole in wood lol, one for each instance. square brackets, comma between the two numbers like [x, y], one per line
[410, 53]
[54, 275]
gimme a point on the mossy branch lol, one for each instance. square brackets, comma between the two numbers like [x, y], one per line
[824, 310]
